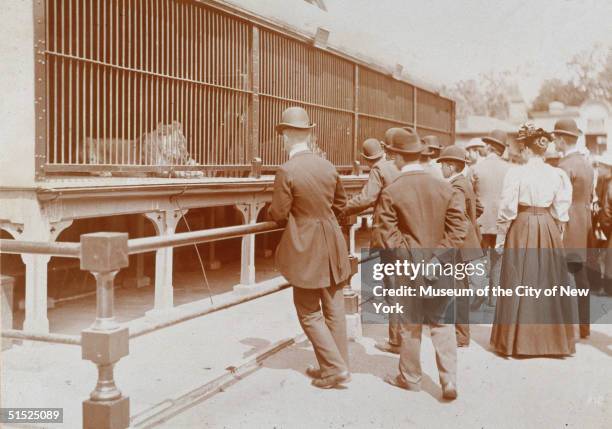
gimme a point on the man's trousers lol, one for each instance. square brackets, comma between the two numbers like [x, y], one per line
[321, 315]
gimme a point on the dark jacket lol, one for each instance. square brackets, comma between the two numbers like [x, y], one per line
[582, 176]
[308, 195]
[420, 211]
[382, 174]
[470, 249]
[605, 221]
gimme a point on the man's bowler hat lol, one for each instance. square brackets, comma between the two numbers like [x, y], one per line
[372, 149]
[294, 117]
[453, 153]
[568, 127]
[406, 141]
[497, 137]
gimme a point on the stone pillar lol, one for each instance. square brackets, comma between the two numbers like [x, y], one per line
[6, 306]
[249, 213]
[165, 224]
[36, 228]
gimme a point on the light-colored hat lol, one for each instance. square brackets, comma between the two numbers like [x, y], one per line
[476, 142]
[453, 153]
[497, 137]
[405, 141]
[567, 126]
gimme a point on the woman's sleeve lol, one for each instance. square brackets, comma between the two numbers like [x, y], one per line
[562, 199]
[508, 207]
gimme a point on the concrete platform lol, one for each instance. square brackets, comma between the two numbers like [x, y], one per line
[494, 392]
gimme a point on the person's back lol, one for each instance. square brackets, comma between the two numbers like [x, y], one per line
[312, 254]
[582, 176]
[488, 180]
[308, 200]
[313, 180]
[420, 201]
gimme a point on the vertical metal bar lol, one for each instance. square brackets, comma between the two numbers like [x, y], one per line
[41, 94]
[63, 104]
[414, 106]
[355, 112]
[253, 147]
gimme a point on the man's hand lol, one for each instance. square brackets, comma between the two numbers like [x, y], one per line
[433, 263]
[500, 241]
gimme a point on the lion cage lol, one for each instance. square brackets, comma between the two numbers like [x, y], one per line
[151, 86]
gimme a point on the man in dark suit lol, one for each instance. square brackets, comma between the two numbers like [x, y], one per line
[453, 160]
[576, 235]
[382, 173]
[422, 215]
[312, 253]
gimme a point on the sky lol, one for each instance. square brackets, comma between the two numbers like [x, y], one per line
[442, 41]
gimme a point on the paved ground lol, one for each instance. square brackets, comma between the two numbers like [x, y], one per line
[166, 370]
[494, 392]
[169, 373]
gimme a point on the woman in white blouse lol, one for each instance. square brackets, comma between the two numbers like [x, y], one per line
[534, 209]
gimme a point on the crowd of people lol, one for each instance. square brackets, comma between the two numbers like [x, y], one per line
[541, 218]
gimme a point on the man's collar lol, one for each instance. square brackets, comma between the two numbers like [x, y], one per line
[455, 176]
[535, 160]
[412, 167]
[298, 147]
[492, 155]
[572, 151]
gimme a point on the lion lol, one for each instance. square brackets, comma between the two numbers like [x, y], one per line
[164, 146]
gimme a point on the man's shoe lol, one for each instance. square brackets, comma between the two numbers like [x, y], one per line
[332, 380]
[386, 347]
[313, 372]
[398, 381]
[449, 391]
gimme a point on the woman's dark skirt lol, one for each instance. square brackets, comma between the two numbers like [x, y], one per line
[533, 256]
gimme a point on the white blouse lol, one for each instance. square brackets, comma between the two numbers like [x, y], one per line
[535, 184]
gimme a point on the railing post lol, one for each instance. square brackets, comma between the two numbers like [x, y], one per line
[351, 298]
[105, 342]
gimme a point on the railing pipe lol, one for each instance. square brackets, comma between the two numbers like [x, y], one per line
[149, 244]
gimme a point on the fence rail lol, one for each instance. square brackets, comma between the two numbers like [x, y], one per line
[152, 86]
[106, 341]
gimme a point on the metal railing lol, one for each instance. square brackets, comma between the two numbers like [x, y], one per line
[106, 341]
[161, 86]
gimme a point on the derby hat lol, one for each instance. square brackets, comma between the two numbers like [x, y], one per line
[432, 142]
[568, 127]
[497, 137]
[427, 150]
[406, 141]
[453, 153]
[372, 149]
[294, 117]
[389, 136]
[474, 143]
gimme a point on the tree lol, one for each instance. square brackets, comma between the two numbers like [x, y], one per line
[557, 90]
[487, 96]
[590, 77]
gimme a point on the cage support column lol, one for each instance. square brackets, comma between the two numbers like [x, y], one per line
[165, 224]
[249, 213]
